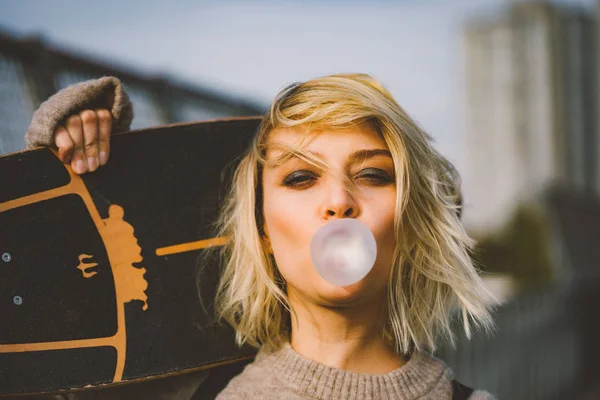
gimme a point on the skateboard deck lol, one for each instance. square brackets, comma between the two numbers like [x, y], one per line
[98, 272]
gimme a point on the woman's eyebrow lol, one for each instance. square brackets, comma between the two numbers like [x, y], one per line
[364, 154]
[358, 155]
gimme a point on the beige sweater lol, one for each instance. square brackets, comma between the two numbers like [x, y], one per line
[283, 374]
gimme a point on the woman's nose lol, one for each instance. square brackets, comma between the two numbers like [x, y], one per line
[339, 201]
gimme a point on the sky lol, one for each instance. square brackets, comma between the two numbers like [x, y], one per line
[253, 49]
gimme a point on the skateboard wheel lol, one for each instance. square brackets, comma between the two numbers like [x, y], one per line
[6, 257]
[17, 300]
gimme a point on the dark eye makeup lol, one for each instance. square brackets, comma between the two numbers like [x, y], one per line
[302, 178]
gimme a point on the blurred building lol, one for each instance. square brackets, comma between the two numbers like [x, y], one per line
[31, 71]
[531, 102]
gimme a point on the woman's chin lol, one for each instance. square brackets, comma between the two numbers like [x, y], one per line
[336, 295]
[311, 286]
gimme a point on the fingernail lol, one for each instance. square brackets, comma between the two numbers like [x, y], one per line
[80, 167]
[92, 163]
[103, 157]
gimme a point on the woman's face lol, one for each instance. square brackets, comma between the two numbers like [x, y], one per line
[299, 199]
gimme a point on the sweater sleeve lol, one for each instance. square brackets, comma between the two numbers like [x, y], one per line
[107, 92]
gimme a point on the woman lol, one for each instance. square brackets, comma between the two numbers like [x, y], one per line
[332, 147]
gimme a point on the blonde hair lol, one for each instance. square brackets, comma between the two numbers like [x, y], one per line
[432, 271]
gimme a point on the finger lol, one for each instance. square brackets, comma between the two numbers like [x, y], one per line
[90, 138]
[64, 143]
[75, 128]
[104, 128]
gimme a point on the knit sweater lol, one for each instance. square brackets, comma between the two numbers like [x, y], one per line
[283, 374]
[107, 92]
[286, 375]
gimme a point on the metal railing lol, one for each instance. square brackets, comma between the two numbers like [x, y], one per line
[544, 348]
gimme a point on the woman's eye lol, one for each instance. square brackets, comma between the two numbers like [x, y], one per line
[297, 178]
[303, 178]
[375, 175]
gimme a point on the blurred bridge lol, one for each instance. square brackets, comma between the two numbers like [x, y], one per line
[30, 72]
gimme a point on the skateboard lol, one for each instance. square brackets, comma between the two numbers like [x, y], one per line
[99, 279]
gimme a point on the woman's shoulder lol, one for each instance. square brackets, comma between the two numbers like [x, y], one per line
[481, 395]
[453, 383]
[250, 380]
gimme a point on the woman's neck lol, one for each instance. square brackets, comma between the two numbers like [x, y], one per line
[346, 338]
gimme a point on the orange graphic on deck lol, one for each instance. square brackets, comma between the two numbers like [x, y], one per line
[83, 267]
[123, 250]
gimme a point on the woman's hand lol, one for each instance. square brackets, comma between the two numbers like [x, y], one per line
[84, 140]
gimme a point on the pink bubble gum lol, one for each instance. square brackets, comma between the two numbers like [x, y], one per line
[343, 251]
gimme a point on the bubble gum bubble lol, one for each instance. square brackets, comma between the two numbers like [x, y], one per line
[343, 251]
